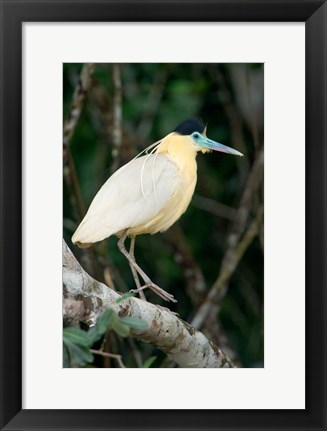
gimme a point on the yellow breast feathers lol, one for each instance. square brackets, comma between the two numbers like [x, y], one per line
[181, 152]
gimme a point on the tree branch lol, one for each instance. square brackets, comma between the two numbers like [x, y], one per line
[231, 260]
[236, 246]
[117, 116]
[84, 83]
[195, 282]
[109, 355]
[86, 299]
[152, 105]
[76, 107]
[70, 174]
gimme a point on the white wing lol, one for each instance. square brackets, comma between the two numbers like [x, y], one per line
[131, 197]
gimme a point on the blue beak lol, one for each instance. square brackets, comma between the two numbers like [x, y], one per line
[216, 146]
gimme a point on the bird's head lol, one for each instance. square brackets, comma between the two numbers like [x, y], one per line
[196, 131]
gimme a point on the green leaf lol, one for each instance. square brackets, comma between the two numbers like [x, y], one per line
[77, 336]
[125, 296]
[66, 357]
[94, 334]
[102, 325]
[79, 355]
[120, 328]
[135, 322]
[105, 320]
[148, 362]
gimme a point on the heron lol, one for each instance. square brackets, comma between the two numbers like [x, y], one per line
[148, 195]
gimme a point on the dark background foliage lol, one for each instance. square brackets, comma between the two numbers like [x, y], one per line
[186, 259]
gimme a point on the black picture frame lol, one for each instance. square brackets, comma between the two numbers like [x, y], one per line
[13, 14]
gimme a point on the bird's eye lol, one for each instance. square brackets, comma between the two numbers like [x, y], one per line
[196, 135]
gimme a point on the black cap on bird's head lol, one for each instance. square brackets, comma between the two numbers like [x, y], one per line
[196, 130]
[187, 127]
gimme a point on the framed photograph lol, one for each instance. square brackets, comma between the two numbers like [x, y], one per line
[163, 215]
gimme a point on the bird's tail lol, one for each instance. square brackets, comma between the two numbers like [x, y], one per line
[81, 244]
[86, 234]
[79, 238]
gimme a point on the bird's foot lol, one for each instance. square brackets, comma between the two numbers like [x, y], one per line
[156, 289]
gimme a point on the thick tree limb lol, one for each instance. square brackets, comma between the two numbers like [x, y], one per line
[86, 299]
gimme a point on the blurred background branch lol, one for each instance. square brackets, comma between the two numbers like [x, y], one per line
[70, 175]
[77, 104]
[117, 116]
[236, 244]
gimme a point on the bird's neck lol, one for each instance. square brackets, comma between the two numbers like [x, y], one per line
[181, 150]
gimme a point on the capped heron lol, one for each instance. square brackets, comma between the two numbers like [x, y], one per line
[148, 194]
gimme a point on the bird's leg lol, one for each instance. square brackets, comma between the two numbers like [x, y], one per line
[148, 283]
[134, 272]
